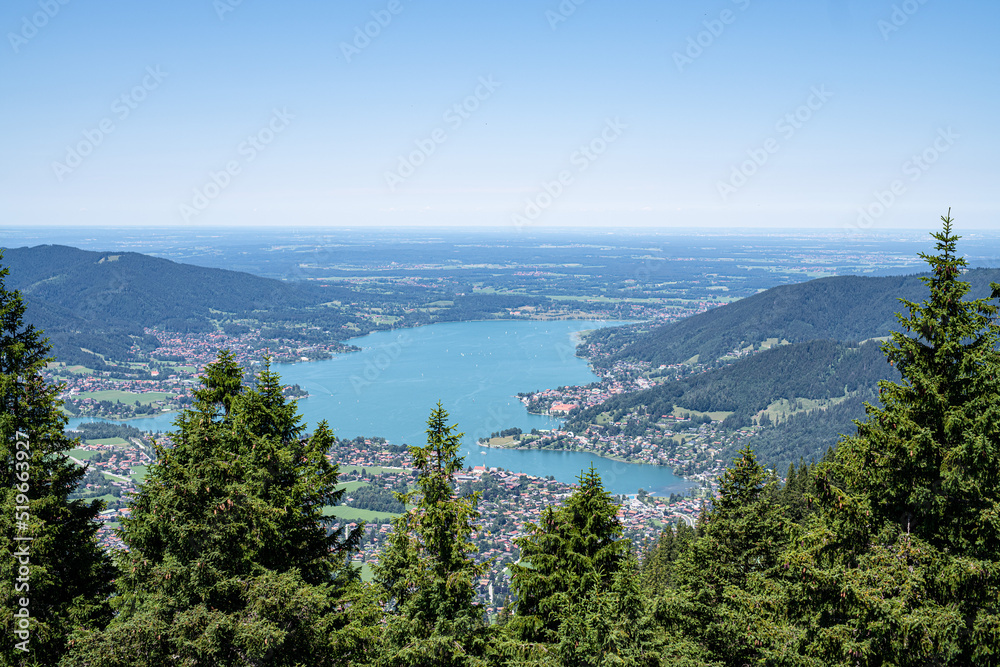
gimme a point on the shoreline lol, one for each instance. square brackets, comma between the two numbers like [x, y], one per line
[585, 451]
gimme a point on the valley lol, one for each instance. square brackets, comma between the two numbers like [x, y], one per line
[685, 386]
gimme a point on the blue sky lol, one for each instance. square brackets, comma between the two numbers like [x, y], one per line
[679, 114]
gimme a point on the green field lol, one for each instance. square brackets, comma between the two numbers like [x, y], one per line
[371, 470]
[782, 409]
[366, 571]
[350, 486]
[125, 396]
[82, 454]
[717, 415]
[355, 514]
[140, 474]
[117, 442]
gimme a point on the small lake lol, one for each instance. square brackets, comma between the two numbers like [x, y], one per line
[475, 369]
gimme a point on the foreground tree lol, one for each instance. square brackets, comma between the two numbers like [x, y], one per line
[609, 627]
[660, 558]
[724, 595]
[52, 567]
[231, 559]
[902, 565]
[428, 571]
[571, 555]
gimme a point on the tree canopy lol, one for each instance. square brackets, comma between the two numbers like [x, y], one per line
[53, 576]
[230, 558]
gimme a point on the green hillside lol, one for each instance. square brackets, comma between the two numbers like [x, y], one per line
[818, 369]
[843, 308]
[101, 302]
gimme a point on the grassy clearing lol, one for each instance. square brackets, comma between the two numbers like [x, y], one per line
[139, 474]
[60, 367]
[350, 486]
[366, 571]
[782, 409]
[772, 342]
[117, 442]
[717, 415]
[354, 514]
[125, 396]
[371, 470]
[107, 498]
[82, 454]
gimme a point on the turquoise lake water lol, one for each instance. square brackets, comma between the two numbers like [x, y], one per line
[475, 369]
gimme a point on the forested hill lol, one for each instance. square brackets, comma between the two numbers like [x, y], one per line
[820, 369]
[844, 308]
[839, 376]
[102, 301]
[139, 288]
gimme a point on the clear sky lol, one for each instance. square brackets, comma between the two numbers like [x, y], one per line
[863, 114]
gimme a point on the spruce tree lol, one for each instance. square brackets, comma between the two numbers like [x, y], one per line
[657, 563]
[901, 564]
[428, 571]
[723, 588]
[231, 559]
[933, 450]
[610, 627]
[51, 559]
[573, 552]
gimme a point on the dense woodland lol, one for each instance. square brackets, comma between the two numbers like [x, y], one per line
[886, 552]
[815, 369]
[818, 369]
[841, 308]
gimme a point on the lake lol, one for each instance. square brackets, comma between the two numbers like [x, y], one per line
[475, 369]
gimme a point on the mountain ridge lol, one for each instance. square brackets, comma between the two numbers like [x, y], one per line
[841, 308]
